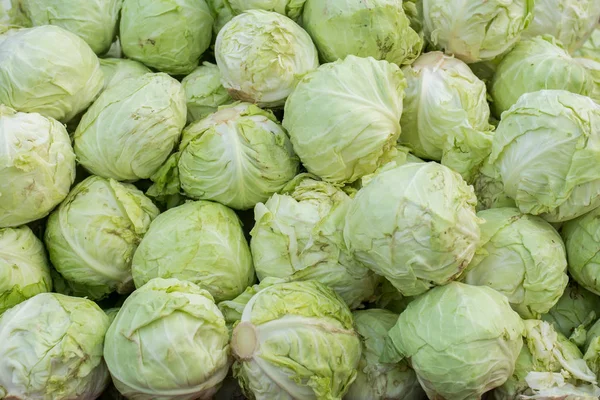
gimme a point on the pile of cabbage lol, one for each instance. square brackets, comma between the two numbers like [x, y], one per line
[299, 199]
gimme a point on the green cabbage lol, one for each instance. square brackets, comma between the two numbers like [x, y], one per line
[117, 69]
[204, 92]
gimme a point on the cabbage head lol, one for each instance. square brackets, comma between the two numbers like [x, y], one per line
[378, 29]
[129, 132]
[37, 166]
[592, 348]
[547, 151]
[238, 156]
[415, 225]
[475, 30]
[117, 69]
[377, 380]
[24, 267]
[50, 71]
[536, 64]
[446, 114]
[204, 92]
[201, 242]
[51, 349]
[295, 340]
[168, 35]
[522, 257]
[569, 21]
[343, 118]
[262, 55]
[94, 21]
[298, 235]
[461, 340]
[92, 235]
[168, 341]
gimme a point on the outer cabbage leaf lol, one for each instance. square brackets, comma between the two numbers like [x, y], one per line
[117, 69]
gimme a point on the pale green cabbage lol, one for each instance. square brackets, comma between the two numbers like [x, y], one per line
[93, 235]
[298, 235]
[117, 69]
[295, 340]
[446, 114]
[415, 225]
[201, 242]
[24, 267]
[37, 166]
[461, 340]
[168, 341]
[591, 48]
[592, 348]
[51, 349]
[262, 55]
[204, 92]
[343, 118]
[475, 30]
[547, 151]
[48, 70]
[522, 257]
[129, 132]
[169, 35]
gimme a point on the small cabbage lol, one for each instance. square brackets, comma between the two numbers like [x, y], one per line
[94, 21]
[295, 340]
[547, 150]
[204, 92]
[343, 118]
[92, 236]
[298, 235]
[569, 21]
[24, 267]
[51, 349]
[129, 132]
[377, 380]
[522, 257]
[415, 225]
[117, 69]
[475, 30]
[37, 166]
[461, 340]
[169, 35]
[489, 188]
[262, 55]
[201, 242]
[48, 70]
[591, 48]
[377, 28]
[446, 114]
[238, 156]
[536, 64]
[168, 341]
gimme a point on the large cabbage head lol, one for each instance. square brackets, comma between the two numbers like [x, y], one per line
[569, 21]
[94, 21]
[117, 69]
[295, 340]
[343, 118]
[446, 114]
[547, 151]
[37, 166]
[475, 30]
[378, 29]
[378, 380]
[461, 340]
[168, 341]
[238, 156]
[24, 267]
[298, 235]
[92, 236]
[129, 132]
[262, 55]
[201, 242]
[536, 64]
[582, 239]
[415, 225]
[204, 92]
[48, 70]
[51, 349]
[168, 35]
[521, 256]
